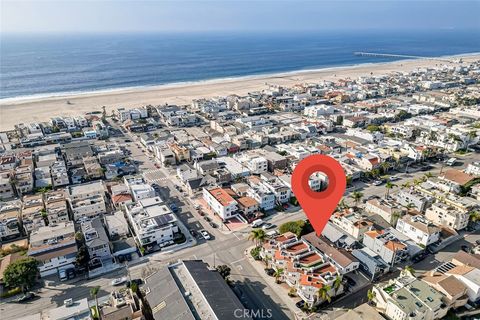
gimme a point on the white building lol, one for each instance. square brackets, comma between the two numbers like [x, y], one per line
[419, 229]
[220, 202]
[444, 215]
[87, 200]
[473, 168]
[142, 191]
[318, 110]
[152, 222]
[54, 246]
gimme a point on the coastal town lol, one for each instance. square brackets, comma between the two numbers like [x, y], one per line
[186, 211]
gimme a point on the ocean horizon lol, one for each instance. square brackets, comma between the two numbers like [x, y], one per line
[39, 66]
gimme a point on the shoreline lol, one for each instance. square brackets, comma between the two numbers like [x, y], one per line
[42, 106]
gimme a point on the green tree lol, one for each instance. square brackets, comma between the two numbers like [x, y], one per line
[337, 283]
[356, 196]
[373, 128]
[388, 186]
[409, 269]
[82, 258]
[298, 227]
[224, 271]
[21, 273]
[94, 293]
[324, 293]
[428, 175]
[474, 216]
[394, 218]
[258, 236]
[278, 274]
[370, 295]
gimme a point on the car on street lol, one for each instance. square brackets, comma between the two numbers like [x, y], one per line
[119, 281]
[377, 182]
[205, 234]
[193, 233]
[213, 224]
[62, 274]
[207, 219]
[394, 178]
[268, 225]
[300, 304]
[26, 297]
[270, 271]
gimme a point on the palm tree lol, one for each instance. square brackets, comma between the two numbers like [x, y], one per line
[342, 204]
[266, 259]
[409, 269]
[375, 172]
[337, 283]
[389, 185]
[356, 196]
[428, 175]
[370, 295]
[385, 166]
[323, 293]
[278, 273]
[405, 185]
[94, 292]
[258, 236]
[394, 218]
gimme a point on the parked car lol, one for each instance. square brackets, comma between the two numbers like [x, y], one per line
[119, 281]
[207, 219]
[270, 271]
[205, 234]
[71, 273]
[377, 182]
[62, 274]
[257, 223]
[213, 224]
[267, 226]
[193, 233]
[26, 297]
[300, 304]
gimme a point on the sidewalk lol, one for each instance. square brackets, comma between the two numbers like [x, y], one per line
[281, 291]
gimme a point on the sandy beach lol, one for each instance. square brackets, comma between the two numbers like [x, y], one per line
[41, 109]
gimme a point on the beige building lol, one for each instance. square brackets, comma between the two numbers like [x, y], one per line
[444, 215]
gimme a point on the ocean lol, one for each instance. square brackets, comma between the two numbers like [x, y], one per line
[43, 65]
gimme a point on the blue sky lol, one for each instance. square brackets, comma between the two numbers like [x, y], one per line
[178, 16]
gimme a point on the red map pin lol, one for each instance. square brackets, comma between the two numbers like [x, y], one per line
[319, 206]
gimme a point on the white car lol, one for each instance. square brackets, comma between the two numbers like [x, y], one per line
[119, 281]
[205, 234]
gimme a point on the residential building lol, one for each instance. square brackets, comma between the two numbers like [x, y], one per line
[153, 223]
[386, 245]
[87, 200]
[407, 298]
[54, 246]
[56, 206]
[352, 223]
[116, 224]
[33, 211]
[419, 229]
[220, 202]
[340, 258]
[10, 219]
[122, 304]
[96, 240]
[442, 214]
[387, 209]
[189, 288]
[413, 199]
